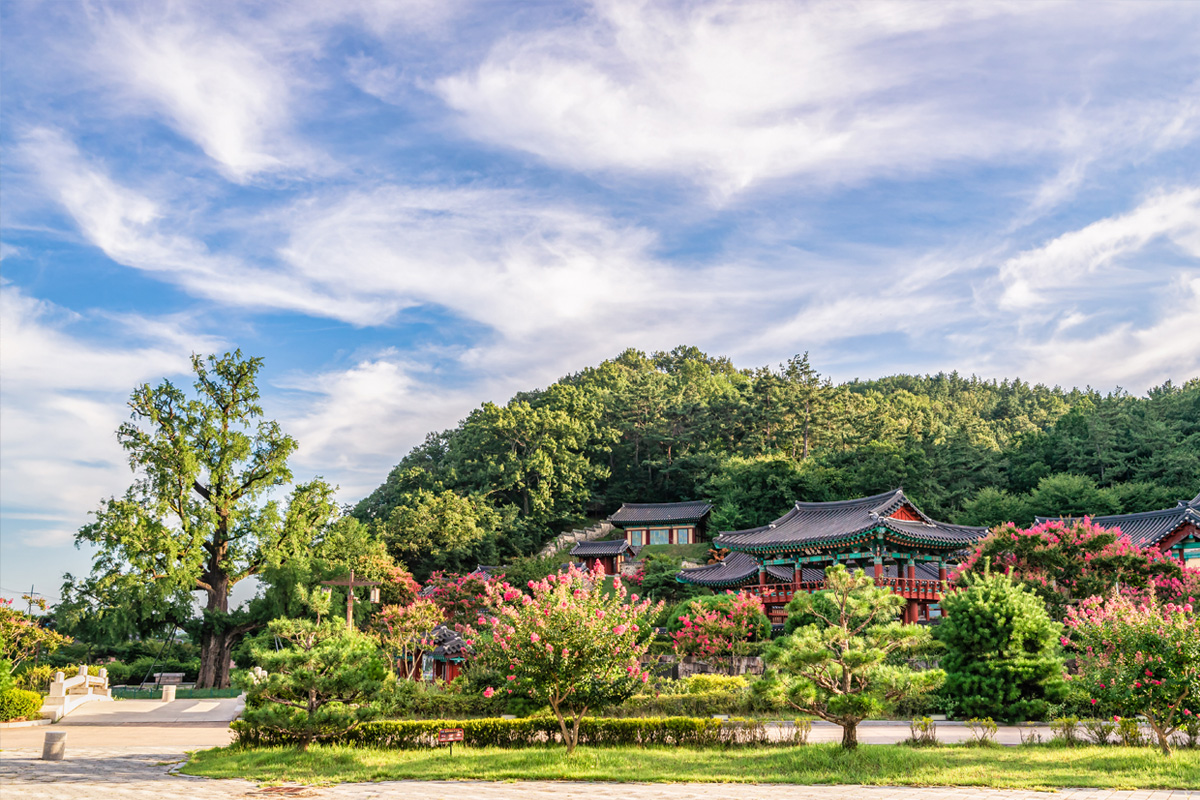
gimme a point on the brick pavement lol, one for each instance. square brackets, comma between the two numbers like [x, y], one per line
[145, 772]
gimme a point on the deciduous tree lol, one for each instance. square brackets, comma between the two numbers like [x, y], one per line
[197, 518]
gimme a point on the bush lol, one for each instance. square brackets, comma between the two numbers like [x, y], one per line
[542, 730]
[1001, 657]
[326, 681]
[145, 667]
[19, 704]
[36, 679]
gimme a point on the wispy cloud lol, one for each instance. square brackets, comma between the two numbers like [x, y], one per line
[1044, 275]
[63, 396]
[732, 94]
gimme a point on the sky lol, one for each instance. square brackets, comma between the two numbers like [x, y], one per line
[409, 208]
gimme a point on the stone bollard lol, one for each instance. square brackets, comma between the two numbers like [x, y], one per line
[55, 746]
[168, 694]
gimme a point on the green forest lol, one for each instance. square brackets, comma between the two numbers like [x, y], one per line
[685, 425]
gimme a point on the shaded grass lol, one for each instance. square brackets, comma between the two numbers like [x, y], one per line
[953, 765]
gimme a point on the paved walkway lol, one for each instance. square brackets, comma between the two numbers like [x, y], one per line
[90, 773]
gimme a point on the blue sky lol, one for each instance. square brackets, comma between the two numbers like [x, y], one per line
[409, 208]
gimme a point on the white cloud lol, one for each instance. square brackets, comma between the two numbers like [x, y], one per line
[215, 87]
[730, 94]
[1047, 274]
[63, 398]
[1107, 353]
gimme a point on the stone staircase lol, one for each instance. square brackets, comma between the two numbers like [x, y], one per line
[567, 540]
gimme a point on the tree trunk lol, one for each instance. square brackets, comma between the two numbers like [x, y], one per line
[850, 736]
[215, 643]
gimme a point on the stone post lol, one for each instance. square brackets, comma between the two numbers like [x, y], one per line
[54, 747]
[168, 695]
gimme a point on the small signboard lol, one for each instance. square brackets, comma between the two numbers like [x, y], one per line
[450, 736]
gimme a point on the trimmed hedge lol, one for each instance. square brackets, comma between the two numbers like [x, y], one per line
[539, 731]
[19, 704]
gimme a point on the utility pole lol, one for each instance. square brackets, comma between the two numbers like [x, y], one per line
[29, 608]
[350, 583]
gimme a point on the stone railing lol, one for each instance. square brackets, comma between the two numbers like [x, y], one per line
[67, 694]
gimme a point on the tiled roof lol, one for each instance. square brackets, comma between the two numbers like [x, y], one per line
[649, 513]
[1149, 527]
[448, 644]
[739, 569]
[612, 547]
[822, 524]
[736, 570]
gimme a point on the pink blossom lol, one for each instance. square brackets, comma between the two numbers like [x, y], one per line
[533, 637]
[511, 677]
[600, 613]
[619, 629]
[488, 692]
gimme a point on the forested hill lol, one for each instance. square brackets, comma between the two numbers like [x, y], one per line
[685, 425]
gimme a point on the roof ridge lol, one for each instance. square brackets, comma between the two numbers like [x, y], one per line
[854, 501]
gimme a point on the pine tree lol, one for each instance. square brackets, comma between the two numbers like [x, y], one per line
[1002, 650]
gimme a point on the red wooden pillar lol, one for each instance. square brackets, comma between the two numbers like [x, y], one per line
[942, 571]
[762, 576]
[878, 570]
[797, 576]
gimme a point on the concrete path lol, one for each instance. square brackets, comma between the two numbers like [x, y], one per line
[156, 712]
[91, 773]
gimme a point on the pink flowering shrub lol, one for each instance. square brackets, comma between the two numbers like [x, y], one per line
[403, 631]
[569, 643]
[1065, 562]
[720, 632]
[459, 596]
[1139, 657]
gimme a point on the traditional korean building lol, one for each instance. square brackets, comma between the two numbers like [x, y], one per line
[609, 554]
[1174, 531]
[885, 535]
[444, 661]
[663, 523]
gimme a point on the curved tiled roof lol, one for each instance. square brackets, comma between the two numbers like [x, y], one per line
[610, 547]
[824, 524]
[1149, 527]
[448, 644]
[737, 569]
[650, 513]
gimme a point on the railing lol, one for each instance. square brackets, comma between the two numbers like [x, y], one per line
[776, 595]
[67, 694]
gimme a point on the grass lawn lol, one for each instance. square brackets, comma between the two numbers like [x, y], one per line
[1034, 767]
[691, 552]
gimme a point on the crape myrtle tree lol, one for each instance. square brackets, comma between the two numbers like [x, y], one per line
[1064, 562]
[1001, 657]
[721, 627]
[197, 517]
[570, 643]
[1137, 656]
[403, 631]
[837, 667]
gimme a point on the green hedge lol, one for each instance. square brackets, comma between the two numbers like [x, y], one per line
[536, 731]
[19, 704]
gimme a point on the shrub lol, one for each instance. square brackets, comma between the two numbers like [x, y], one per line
[922, 732]
[983, 731]
[542, 730]
[698, 684]
[1138, 657]
[36, 679]
[324, 683]
[1001, 650]
[1065, 730]
[1098, 731]
[19, 704]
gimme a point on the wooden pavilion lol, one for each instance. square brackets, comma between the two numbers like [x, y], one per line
[609, 554]
[886, 535]
[663, 523]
